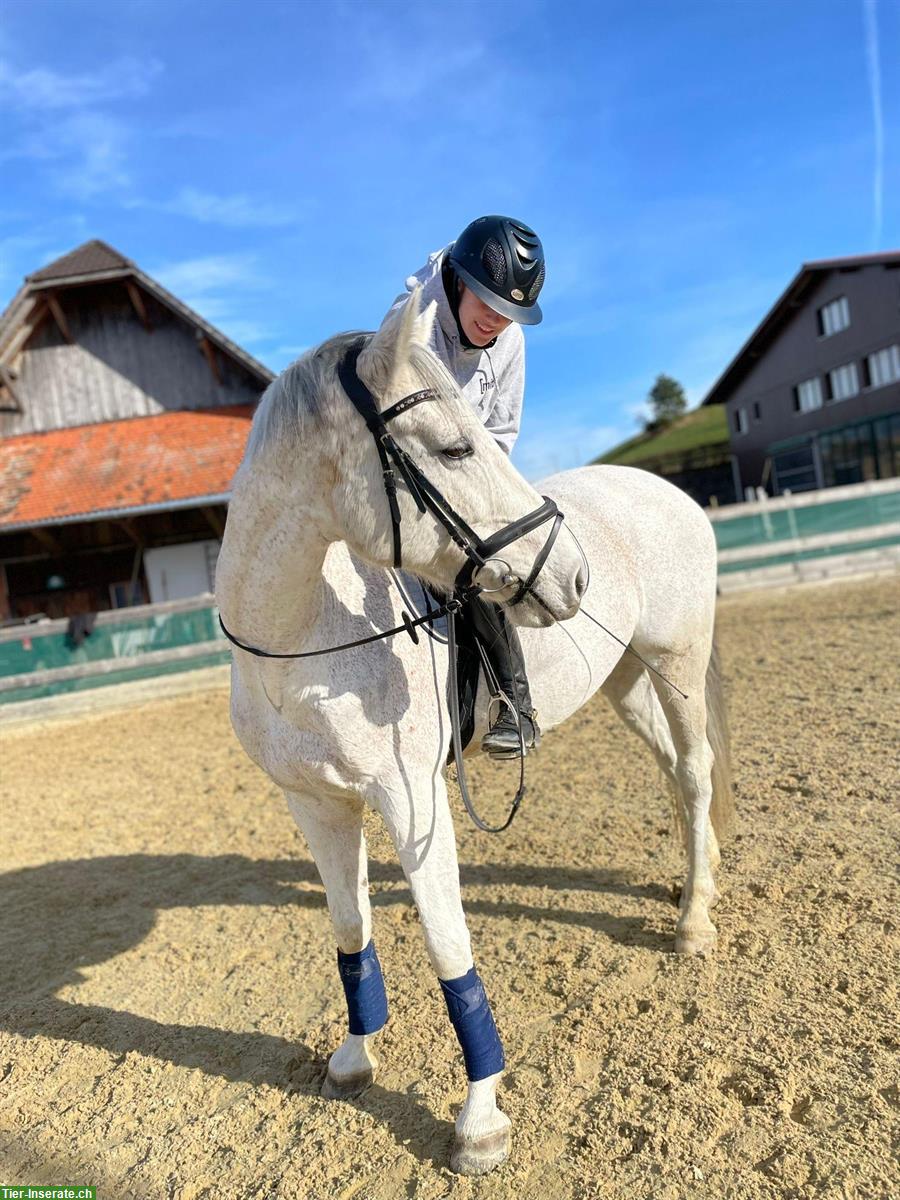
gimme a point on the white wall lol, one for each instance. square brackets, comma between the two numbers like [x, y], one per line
[179, 572]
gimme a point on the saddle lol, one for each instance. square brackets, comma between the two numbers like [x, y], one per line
[420, 599]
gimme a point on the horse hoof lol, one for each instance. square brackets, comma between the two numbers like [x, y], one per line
[703, 941]
[477, 1156]
[348, 1087]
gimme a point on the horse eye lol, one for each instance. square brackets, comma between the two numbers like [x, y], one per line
[463, 450]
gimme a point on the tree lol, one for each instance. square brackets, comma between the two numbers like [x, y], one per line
[667, 401]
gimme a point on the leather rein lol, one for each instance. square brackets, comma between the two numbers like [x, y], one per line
[478, 551]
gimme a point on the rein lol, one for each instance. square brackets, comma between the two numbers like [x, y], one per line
[478, 551]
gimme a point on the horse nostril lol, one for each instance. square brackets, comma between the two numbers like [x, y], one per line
[580, 582]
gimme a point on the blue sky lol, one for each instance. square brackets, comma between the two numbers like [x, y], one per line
[283, 166]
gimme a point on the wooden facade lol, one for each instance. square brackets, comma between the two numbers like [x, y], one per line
[89, 341]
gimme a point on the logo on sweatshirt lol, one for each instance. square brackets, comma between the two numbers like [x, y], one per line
[485, 383]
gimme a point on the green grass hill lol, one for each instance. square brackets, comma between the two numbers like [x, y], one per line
[703, 430]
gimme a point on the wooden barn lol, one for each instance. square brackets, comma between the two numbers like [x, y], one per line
[123, 417]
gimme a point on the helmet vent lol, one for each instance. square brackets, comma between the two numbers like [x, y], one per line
[537, 285]
[494, 261]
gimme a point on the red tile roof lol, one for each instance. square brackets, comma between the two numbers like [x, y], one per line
[120, 465]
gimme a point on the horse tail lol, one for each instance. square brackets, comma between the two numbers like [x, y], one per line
[722, 810]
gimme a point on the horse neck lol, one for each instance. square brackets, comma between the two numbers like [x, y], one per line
[269, 584]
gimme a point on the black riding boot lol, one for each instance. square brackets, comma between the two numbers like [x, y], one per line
[504, 653]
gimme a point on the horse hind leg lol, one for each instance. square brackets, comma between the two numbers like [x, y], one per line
[687, 721]
[629, 690]
[334, 831]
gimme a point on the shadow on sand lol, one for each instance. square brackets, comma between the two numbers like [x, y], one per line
[61, 917]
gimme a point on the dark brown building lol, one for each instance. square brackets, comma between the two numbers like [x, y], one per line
[813, 398]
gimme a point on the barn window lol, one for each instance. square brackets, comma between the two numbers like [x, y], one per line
[834, 317]
[740, 420]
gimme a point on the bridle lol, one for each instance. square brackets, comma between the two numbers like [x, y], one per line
[478, 551]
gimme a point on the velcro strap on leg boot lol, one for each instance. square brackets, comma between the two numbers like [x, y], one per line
[364, 988]
[473, 1021]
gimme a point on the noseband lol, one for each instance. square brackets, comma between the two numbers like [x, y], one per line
[478, 551]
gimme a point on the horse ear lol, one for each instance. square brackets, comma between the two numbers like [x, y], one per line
[388, 351]
[425, 324]
[407, 331]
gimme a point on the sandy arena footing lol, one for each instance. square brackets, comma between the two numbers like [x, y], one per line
[170, 994]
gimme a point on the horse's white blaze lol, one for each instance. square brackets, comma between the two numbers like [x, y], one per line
[302, 567]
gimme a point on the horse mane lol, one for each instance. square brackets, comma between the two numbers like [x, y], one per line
[293, 405]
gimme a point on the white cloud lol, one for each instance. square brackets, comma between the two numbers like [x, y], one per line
[214, 287]
[244, 332]
[399, 69]
[84, 148]
[91, 156]
[85, 153]
[42, 88]
[237, 211]
[202, 277]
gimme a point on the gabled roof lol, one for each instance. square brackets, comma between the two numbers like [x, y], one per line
[96, 262]
[787, 304]
[142, 464]
[90, 259]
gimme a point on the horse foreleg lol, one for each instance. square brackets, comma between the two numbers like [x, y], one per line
[427, 854]
[695, 932]
[334, 831]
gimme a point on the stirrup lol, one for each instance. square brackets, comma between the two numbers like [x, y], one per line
[502, 738]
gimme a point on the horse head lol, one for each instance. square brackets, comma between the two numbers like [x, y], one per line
[460, 459]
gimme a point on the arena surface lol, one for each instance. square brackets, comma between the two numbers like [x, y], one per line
[170, 994]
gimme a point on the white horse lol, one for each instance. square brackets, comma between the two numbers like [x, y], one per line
[303, 566]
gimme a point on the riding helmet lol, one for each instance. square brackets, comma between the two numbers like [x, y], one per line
[502, 261]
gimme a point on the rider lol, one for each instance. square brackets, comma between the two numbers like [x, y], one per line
[486, 286]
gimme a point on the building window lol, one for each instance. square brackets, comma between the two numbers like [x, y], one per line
[843, 382]
[887, 440]
[882, 367]
[808, 395]
[757, 415]
[848, 455]
[740, 420]
[794, 470]
[834, 317]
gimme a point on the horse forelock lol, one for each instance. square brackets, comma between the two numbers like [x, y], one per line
[296, 404]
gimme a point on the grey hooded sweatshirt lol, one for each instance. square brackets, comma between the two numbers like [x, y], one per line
[492, 379]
